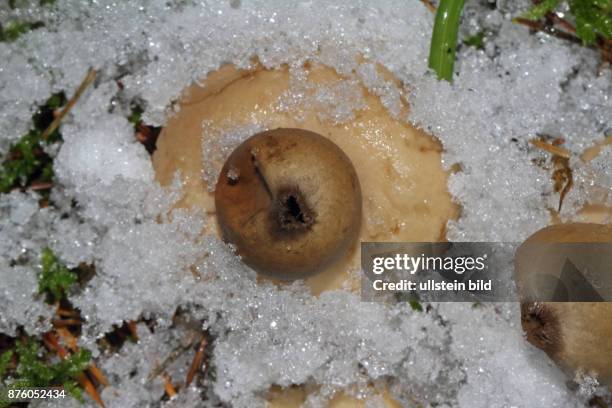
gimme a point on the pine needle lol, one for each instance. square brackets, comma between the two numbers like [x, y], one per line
[170, 390]
[198, 359]
[89, 78]
[430, 6]
[550, 148]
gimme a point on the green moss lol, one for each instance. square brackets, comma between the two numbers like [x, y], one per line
[416, 305]
[593, 17]
[476, 41]
[13, 30]
[34, 370]
[411, 298]
[13, 4]
[5, 359]
[55, 278]
[135, 117]
[539, 10]
[27, 161]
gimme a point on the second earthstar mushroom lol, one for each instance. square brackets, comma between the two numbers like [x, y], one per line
[576, 335]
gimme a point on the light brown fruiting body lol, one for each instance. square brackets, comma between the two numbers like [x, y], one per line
[576, 335]
[404, 188]
[290, 201]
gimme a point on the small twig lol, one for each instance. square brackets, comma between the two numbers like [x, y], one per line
[170, 390]
[98, 375]
[133, 329]
[568, 33]
[66, 313]
[41, 185]
[606, 52]
[51, 340]
[66, 322]
[67, 337]
[562, 22]
[562, 35]
[567, 187]
[174, 354]
[89, 78]
[550, 148]
[538, 26]
[71, 342]
[604, 45]
[429, 4]
[534, 25]
[562, 175]
[90, 389]
[197, 361]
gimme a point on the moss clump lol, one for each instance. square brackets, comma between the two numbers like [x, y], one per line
[593, 17]
[476, 40]
[27, 162]
[33, 369]
[55, 278]
[13, 30]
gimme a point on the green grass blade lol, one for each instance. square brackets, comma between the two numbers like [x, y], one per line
[444, 38]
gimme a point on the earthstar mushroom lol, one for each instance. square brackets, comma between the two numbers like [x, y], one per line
[576, 335]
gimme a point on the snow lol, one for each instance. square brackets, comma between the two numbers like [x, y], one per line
[518, 373]
[19, 295]
[107, 207]
[26, 230]
[221, 139]
[593, 180]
